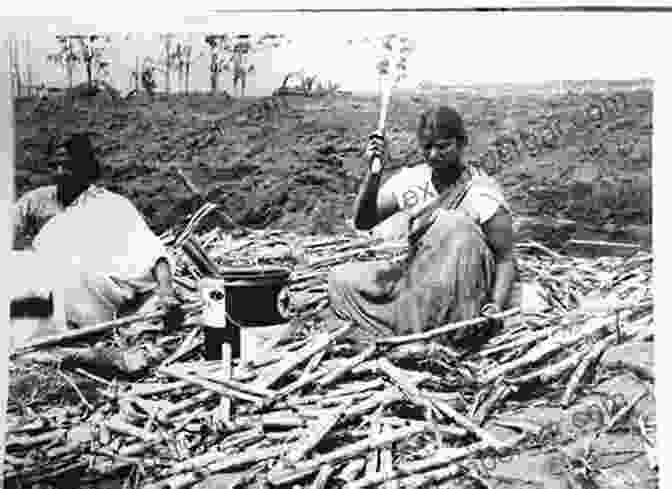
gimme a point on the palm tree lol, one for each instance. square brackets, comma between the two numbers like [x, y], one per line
[217, 44]
[87, 50]
[66, 57]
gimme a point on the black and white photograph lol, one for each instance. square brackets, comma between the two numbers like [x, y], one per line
[312, 249]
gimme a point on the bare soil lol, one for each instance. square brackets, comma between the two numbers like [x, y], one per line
[295, 162]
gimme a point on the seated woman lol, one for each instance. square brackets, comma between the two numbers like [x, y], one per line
[460, 263]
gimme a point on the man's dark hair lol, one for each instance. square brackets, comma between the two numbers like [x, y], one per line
[442, 121]
[83, 160]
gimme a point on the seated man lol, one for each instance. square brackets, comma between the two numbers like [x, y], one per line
[460, 263]
[93, 252]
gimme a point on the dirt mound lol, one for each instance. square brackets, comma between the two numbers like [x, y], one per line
[294, 162]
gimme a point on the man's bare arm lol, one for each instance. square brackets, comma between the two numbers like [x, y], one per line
[499, 230]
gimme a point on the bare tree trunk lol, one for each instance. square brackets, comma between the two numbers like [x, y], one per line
[137, 74]
[168, 64]
[213, 82]
[29, 74]
[70, 96]
[187, 70]
[214, 73]
[180, 76]
[16, 67]
[89, 74]
[70, 73]
[8, 43]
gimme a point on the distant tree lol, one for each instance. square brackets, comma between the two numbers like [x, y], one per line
[184, 58]
[14, 66]
[232, 53]
[167, 57]
[218, 58]
[239, 64]
[182, 54]
[326, 88]
[287, 77]
[284, 87]
[307, 82]
[66, 57]
[243, 48]
[85, 50]
[147, 76]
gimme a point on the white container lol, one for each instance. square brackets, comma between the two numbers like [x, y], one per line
[254, 341]
[213, 292]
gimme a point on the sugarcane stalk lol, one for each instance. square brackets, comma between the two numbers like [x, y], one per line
[180, 422]
[121, 458]
[347, 366]
[200, 258]
[56, 472]
[217, 387]
[299, 384]
[431, 478]
[498, 394]
[200, 461]
[154, 389]
[442, 458]
[220, 377]
[225, 402]
[455, 399]
[478, 400]
[552, 371]
[387, 460]
[30, 441]
[328, 403]
[352, 469]
[316, 435]
[187, 346]
[302, 469]
[539, 246]
[201, 397]
[542, 351]
[65, 450]
[278, 420]
[623, 412]
[16, 461]
[454, 431]
[373, 460]
[339, 395]
[593, 355]
[441, 330]
[322, 478]
[312, 364]
[526, 340]
[415, 394]
[227, 462]
[321, 342]
[124, 453]
[33, 425]
[268, 357]
[97, 329]
[117, 425]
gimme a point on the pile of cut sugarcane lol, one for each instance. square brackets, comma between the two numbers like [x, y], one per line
[316, 412]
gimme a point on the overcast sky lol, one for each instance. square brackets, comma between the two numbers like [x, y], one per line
[451, 47]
